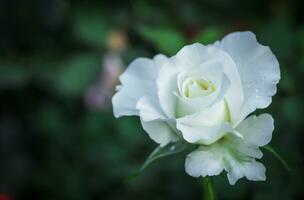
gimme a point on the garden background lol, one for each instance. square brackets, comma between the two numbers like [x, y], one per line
[59, 62]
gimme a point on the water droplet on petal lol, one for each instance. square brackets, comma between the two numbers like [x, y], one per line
[249, 85]
[274, 82]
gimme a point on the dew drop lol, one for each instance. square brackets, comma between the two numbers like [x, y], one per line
[172, 148]
[249, 85]
[274, 82]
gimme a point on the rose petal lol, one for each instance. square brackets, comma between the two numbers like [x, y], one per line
[137, 81]
[257, 66]
[236, 155]
[159, 131]
[252, 170]
[205, 127]
[205, 161]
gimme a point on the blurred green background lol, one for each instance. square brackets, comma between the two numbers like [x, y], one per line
[59, 62]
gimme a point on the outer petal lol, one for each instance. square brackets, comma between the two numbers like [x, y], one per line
[257, 131]
[258, 68]
[205, 127]
[149, 109]
[124, 103]
[252, 170]
[205, 161]
[159, 131]
[159, 60]
[236, 155]
[211, 160]
[138, 96]
[166, 86]
[138, 80]
[191, 56]
[194, 55]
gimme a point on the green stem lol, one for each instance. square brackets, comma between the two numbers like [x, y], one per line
[280, 158]
[208, 189]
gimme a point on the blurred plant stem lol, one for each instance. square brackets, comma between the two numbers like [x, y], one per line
[208, 189]
[279, 157]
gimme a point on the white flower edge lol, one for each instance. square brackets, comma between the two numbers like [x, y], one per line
[235, 155]
[137, 95]
[258, 69]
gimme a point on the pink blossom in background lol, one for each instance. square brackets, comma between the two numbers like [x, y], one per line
[99, 94]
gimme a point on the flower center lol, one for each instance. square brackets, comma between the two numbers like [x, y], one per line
[197, 87]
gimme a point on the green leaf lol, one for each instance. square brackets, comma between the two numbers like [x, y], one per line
[300, 39]
[13, 75]
[159, 152]
[281, 42]
[89, 26]
[166, 40]
[292, 110]
[167, 150]
[76, 74]
[287, 83]
[280, 158]
[208, 35]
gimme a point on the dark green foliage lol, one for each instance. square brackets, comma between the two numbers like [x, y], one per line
[52, 146]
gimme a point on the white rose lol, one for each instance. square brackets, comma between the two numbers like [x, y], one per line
[203, 95]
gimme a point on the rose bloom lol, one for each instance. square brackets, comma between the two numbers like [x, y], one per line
[203, 95]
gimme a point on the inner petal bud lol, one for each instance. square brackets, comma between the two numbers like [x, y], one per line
[197, 87]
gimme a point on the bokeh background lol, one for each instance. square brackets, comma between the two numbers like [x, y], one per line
[59, 62]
